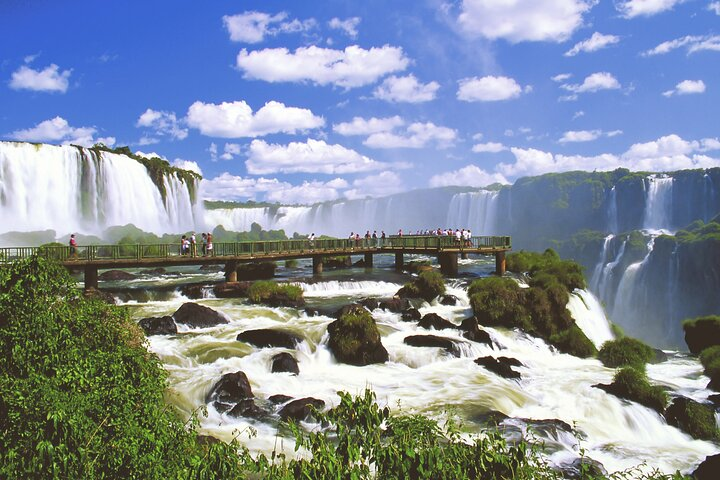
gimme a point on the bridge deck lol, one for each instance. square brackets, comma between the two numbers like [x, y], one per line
[128, 256]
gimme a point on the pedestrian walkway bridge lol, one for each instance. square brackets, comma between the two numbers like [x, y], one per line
[91, 258]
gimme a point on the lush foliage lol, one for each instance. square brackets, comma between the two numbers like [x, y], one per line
[694, 418]
[539, 310]
[625, 351]
[265, 291]
[354, 330]
[428, 285]
[81, 397]
[632, 383]
[710, 359]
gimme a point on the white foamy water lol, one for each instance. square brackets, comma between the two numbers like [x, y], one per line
[617, 433]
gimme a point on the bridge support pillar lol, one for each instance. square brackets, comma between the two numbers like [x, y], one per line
[317, 265]
[368, 260]
[500, 263]
[464, 256]
[399, 262]
[448, 263]
[231, 272]
[91, 277]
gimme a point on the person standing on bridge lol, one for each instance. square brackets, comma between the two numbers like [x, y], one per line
[311, 240]
[73, 246]
[209, 248]
[193, 245]
[204, 243]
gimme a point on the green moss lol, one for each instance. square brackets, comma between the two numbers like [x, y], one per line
[710, 359]
[632, 383]
[625, 351]
[617, 330]
[547, 264]
[267, 292]
[694, 418]
[573, 342]
[428, 285]
[499, 302]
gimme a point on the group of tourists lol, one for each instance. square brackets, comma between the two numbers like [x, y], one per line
[188, 244]
[369, 239]
[462, 236]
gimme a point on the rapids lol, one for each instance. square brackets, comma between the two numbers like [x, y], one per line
[615, 432]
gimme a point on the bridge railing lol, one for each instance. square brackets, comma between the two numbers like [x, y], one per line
[235, 249]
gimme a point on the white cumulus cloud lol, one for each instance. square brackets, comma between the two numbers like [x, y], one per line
[236, 119]
[596, 42]
[644, 8]
[417, 135]
[406, 89]
[580, 136]
[187, 165]
[163, 123]
[490, 147]
[714, 7]
[518, 21]
[380, 185]
[252, 27]
[469, 176]
[488, 89]
[349, 25]
[686, 87]
[561, 77]
[308, 192]
[361, 126]
[50, 79]
[692, 43]
[312, 156]
[59, 130]
[594, 83]
[232, 187]
[352, 67]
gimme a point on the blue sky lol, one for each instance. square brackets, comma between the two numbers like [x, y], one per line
[300, 101]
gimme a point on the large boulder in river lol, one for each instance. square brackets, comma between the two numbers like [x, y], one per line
[435, 321]
[410, 315]
[395, 305]
[471, 331]
[501, 366]
[231, 389]
[433, 341]
[231, 289]
[709, 469]
[255, 271]
[198, 316]
[701, 333]
[448, 300]
[355, 339]
[267, 337]
[428, 285]
[300, 409]
[284, 362]
[158, 325]
[694, 418]
[116, 275]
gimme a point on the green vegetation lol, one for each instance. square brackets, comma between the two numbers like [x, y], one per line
[702, 333]
[218, 204]
[271, 293]
[539, 310]
[358, 328]
[256, 234]
[694, 418]
[632, 383]
[624, 352]
[710, 359]
[428, 285]
[291, 263]
[157, 168]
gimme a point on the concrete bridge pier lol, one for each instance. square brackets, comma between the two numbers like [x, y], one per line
[448, 263]
[91, 277]
[399, 262]
[464, 255]
[368, 260]
[500, 263]
[231, 271]
[317, 265]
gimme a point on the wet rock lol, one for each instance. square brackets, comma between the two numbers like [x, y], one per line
[471, 331]
[267, 337]
[709, 469]
[255, 271]
[345, 309]
[433, 341]
[337, 262]
[231, 289]
[231, 389]
[448, 300]
[435, 321]
[701, 333]
[116, 275]
[359, 263]
[410, 315]
[395, 304]
[194, 291]
[158, 325]
[583, 467]
[659, 357]
[284, 362]
[198, 316]
[101, 295]
[370, 303]
[715, 399]
[501, 366]
[300, 409]
[247, 408]
[355, 339]
[694, 418]
[312, 312]
[279, 398]
[154, 271]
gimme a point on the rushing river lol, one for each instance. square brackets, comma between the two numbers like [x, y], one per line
[617, 433]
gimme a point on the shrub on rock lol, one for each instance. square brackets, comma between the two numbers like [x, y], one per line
[497, 302]
[693, 418]
[702, 333]
[355, 339]
[625, 351]
[632, 384]
[710, 359]
[573, 341]
[428, 285]
[273, 294]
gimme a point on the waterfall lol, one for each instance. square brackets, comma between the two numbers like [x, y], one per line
[709, 195]
[474, 210]
[658, 203]
[598, 270]
[631, 296]
[72, 189]
[607, 274]
[590, 317]
[612, 211]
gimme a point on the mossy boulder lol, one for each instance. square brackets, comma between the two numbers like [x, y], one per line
[694, 418]
[573, 341]
[710, 359]
[498, 302]
[276, 295]
[428, 285]
[631, 383]
[624, 352]
[355, 339]
[701, 333]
